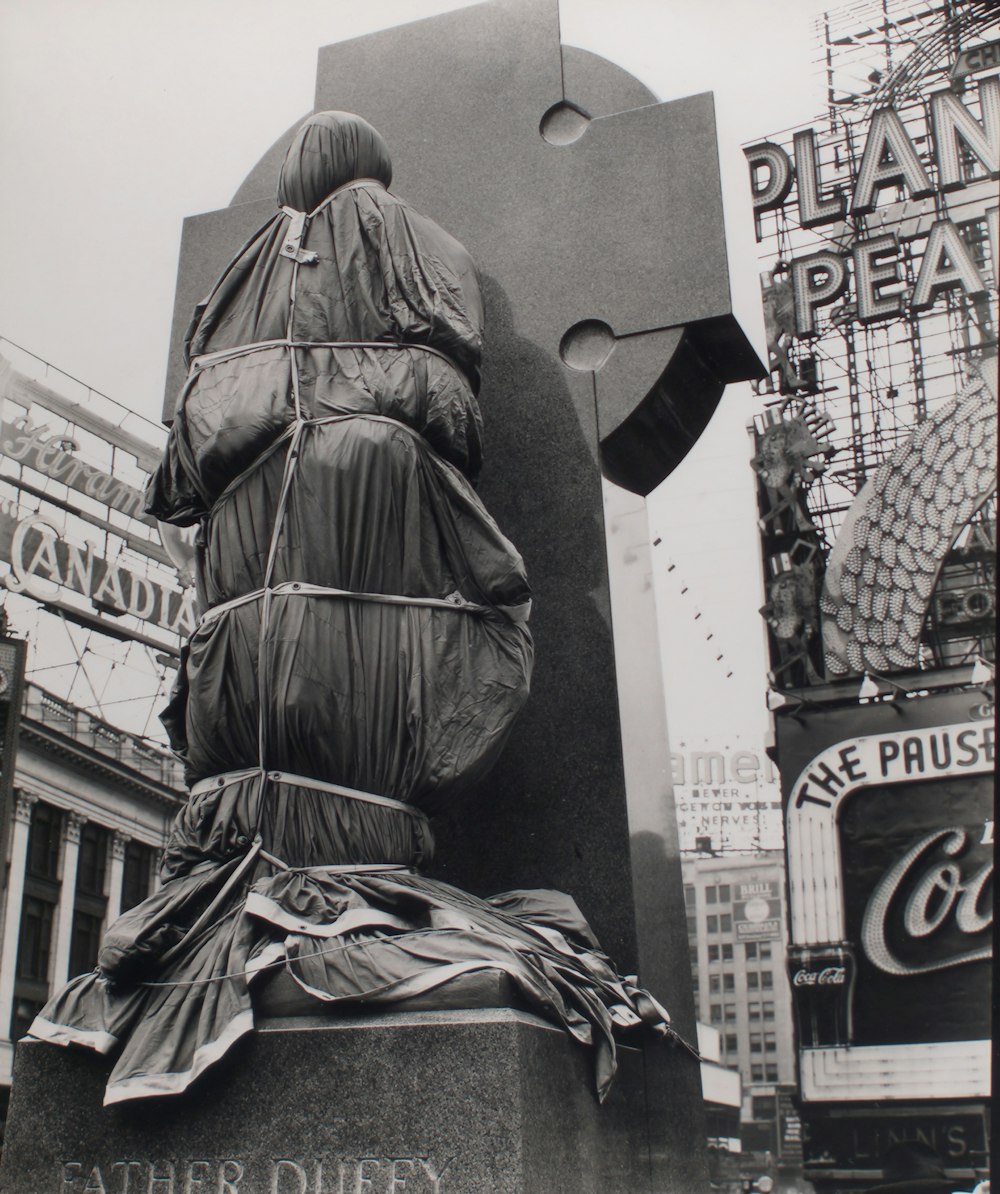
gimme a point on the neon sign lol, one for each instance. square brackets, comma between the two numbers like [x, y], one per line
[889, 160]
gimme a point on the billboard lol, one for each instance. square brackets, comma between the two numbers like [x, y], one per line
[757, 912]
[727, 800]
[889, 829]
[73, 532]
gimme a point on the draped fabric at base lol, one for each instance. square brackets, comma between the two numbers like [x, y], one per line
[362, 654]
[374, 937]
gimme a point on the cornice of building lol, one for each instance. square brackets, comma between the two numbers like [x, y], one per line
[86, 757]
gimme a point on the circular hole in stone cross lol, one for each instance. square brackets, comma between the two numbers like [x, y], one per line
[587, 345]
[563, 124]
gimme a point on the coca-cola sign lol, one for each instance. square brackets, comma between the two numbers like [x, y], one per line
[890, 864]
[931, 888]
[917, 881]
[829, 976]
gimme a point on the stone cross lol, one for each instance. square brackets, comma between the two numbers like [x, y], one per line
[595, 216]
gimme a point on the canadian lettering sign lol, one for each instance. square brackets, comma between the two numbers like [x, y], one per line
[43, 563]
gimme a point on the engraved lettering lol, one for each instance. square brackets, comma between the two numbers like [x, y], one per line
[161, 1183]
[230, 1176]
[397, 1184]
[363, 1182]
[193, 1182]
[126, 1186]
[69, 1179]
[95, 1182]
[434, 1175]
[298, 1181]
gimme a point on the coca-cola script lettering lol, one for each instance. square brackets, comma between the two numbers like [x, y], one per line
[939, 894]
[829, 976]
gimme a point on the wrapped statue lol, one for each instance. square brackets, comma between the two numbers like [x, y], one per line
[361, 656]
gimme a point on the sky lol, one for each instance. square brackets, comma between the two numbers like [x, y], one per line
[118, 118]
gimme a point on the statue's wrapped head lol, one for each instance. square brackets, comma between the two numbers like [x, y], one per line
[329, 150]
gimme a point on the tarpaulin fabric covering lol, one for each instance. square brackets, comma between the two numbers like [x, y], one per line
[362, 653]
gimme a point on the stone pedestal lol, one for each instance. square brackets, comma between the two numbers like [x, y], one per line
[493, 1101]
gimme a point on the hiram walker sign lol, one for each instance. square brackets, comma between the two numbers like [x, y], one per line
[890, 871]
[42, 563]
[47, 453]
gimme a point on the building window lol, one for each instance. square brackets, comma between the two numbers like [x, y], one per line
[35, 943]
[714, 983]
[689, 895]
[692, 926]
[694, 983]
[713, 951]
[764, 1106]
[732, 1042]
[91, 903]
[767, 980]
[772, 1073]
[770, 1043]
[753, 981]
[756, 1043]
[137, 879]
[92, 865]
[768, 1009]
[715, 1013]
[38, 917]
[765, 950]
[43, 842]
[756, 1073]
[753, 1011]
[727, 952]
[88, 928]
[730, 1013]
[751, 949]
[712, 924]
[724, 895]
[711, 895]
[728, 982]
[726, 922]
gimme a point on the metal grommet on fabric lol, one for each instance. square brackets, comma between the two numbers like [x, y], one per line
[242, 840]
